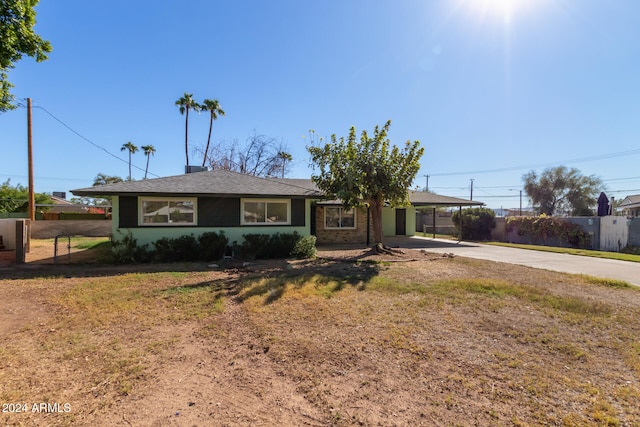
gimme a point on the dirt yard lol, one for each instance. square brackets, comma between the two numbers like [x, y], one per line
[348, 339]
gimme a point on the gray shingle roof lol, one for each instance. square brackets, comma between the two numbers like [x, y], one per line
[424, 198]
[211, 183]
[226, 183]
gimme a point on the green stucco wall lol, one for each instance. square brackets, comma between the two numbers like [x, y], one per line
[389, 221]
[411, 221]
[115, 219]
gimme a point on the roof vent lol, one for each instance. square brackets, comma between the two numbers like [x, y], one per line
[194, 169]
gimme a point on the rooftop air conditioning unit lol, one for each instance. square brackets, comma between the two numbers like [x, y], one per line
[194, 169]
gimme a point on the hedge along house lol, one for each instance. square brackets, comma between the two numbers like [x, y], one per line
[200, 202]
[240, 204]
[334, 224]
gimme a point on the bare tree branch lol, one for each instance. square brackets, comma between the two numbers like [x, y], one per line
[260, 155]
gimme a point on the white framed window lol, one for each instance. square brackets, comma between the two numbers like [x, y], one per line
[337, 217]
[266, 212]
[163, 211]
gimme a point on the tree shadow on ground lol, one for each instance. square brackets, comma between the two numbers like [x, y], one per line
[271, 279]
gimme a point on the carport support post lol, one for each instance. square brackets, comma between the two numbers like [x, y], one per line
[460, 211]
[434, 222]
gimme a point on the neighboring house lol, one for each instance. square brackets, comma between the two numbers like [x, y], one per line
[630, 206]
[61, 205]
[241, 204]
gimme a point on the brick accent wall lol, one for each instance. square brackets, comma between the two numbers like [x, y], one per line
[341, 236]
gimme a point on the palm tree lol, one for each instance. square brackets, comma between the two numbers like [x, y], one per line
[214, 108]
[187, 103]
[149, 150]
[284, 157]
[129, 146]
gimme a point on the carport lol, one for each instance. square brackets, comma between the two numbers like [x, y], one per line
[425, 199]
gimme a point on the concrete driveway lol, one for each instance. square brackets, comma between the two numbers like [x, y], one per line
[599, 267]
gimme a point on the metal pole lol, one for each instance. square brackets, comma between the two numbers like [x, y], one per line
[31, 204]
[460, 236]
[520, 202]
[471, 198]
[434, 222]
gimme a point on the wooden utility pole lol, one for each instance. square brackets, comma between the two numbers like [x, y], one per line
[32, 206]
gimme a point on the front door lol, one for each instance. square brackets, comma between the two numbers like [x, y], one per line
[401, 222]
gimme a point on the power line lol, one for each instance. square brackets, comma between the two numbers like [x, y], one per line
[500, 186]
[621, 179]
[623, 191]
[539, 165]
[50, 178]
[91, 142]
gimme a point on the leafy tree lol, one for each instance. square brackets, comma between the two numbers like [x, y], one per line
[284, 158]
[16, 198]
[101, 179]
[559, 190]
[104, 179]
[131, 148]
[149, 150]
[186, 103]
[367, 172]
[213, 107]
[17, 38]
[477, 223]
[260, 156]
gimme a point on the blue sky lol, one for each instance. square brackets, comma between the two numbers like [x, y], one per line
[491, 88]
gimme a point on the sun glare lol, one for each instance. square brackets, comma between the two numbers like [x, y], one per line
[502, 9]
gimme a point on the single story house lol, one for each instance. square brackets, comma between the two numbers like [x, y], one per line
[630, 206]
[240, 204]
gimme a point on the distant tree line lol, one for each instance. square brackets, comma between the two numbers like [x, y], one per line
[15, 198]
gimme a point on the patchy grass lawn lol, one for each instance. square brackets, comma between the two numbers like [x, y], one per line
[437, 341]
[76, 250]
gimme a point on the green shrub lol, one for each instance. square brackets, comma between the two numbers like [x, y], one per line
[477, 223]
[254, 246]
[183, 248]
[305, 248]
[278, 245]
[281, 244]
[127, 251]
[633, 250]
[212, 245]
[162, 250]
[208, 246]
